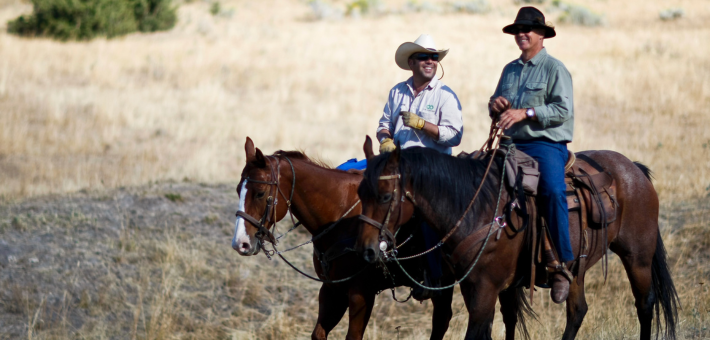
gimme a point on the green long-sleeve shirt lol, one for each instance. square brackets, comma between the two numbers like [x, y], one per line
[544, 84]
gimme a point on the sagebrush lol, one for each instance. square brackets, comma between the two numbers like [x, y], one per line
[87, 19]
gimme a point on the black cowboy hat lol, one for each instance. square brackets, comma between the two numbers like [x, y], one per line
[531, 16]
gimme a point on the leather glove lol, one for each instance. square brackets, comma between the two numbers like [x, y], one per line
[412, 120]
[387, 145]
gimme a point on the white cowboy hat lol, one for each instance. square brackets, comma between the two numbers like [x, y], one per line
[425, 43]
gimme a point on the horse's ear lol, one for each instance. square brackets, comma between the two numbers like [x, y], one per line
[259, 159]
[367, 147]
[249, 148]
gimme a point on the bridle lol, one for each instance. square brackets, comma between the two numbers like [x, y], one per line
[272, 201]
[270, 215]
[385, 236]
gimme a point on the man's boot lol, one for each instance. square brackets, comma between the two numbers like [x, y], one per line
[559, 277]
[559, 280]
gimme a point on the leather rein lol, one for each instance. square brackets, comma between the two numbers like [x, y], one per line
[494, 133]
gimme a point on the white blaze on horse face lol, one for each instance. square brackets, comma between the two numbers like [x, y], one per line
[241, 241]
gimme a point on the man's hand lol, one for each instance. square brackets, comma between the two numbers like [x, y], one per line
[510, 117]
[412, 120]
[387, 145]
[498, 105]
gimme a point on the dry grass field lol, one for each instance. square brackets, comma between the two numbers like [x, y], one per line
[175, 108]
[179, 104]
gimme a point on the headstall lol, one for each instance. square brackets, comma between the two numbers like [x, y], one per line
[271, 201]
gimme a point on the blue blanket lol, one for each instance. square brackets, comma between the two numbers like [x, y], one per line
[353, 164]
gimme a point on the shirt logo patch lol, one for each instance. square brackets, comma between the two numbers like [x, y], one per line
[430, 107]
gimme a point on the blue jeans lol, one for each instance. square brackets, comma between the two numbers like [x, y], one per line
[552, 156]
[433, 258]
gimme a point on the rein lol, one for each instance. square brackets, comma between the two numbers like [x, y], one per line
[491, 230]
[494, 133]
[383, 226]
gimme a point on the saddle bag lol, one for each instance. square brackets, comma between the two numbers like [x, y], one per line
[517, 163]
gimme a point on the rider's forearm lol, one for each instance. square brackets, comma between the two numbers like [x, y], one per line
[431, 130]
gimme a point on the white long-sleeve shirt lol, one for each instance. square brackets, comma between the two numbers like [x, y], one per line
[436, 104]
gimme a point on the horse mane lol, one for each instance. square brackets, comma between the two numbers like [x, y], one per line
[447, 183]
[302, 156]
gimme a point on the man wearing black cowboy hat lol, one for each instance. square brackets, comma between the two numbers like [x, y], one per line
[534, 105]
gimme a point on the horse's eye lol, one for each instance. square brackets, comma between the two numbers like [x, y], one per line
[385, 198]
[260, 195]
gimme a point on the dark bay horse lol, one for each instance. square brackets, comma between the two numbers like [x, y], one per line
[318, 196]
[439, 188]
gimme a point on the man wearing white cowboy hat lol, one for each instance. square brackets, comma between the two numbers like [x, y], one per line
[533, 103]
[430, 116]
[430, 111]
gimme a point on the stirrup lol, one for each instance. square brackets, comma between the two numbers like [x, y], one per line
[560, 268]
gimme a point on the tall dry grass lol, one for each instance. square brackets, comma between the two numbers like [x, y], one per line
[172, 282]
[179, 104]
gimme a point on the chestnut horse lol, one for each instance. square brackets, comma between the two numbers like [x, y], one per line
[440, 189]
[289, 182]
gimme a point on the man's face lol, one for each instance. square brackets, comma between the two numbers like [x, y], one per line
[424, 65]
[529, 38]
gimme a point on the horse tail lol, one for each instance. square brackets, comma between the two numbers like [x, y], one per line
[645, 169]
[523, 310]
[664, 291]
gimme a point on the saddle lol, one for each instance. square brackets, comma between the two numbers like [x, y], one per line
[589, 186]
[590, 196]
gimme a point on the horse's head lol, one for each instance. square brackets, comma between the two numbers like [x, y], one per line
[258, 197]
[386, 203]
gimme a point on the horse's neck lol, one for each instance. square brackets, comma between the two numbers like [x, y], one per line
[322, 196]
[443, 225]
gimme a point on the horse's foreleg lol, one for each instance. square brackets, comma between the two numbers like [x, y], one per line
[332, 303]
[576, 309]
[442, 314]
[481, 303]
[360, 309]
[509, 309]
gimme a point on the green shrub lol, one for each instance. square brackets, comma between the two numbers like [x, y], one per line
[578, 15]
[86, 19]
[215, 8]
[154, 15]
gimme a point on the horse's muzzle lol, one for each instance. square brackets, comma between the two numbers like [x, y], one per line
[370, 254]
[245, 248]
